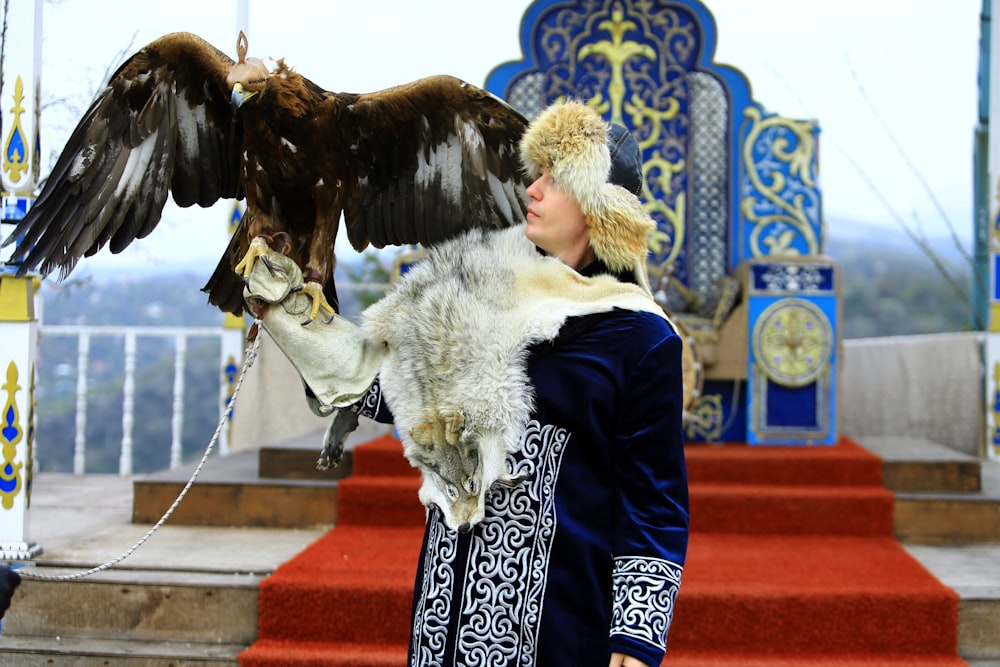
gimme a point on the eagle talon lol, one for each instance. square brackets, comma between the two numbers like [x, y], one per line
[258, 247]
[267, 264]
[315, 292]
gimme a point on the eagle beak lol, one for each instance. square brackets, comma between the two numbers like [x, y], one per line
[241, 95]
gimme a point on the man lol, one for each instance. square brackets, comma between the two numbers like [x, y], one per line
[579, 562]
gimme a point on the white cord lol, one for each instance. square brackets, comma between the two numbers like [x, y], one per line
[251, 356]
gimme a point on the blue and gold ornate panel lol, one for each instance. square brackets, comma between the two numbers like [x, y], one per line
[793, 355]
[724, 180]
[728, 183]
[778, 196]
[719, 414]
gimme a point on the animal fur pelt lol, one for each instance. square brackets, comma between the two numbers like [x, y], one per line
[457, 330]
[449, 344]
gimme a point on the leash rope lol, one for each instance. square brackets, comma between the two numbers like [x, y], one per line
[251, 356]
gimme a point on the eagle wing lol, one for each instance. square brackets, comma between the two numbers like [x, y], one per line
[432, 158]
[163, 122]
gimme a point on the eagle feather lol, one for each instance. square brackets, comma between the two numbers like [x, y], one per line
[416, 163]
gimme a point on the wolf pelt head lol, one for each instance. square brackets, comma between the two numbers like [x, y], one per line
[459, 467]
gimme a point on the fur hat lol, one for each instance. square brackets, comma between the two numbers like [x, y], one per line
[572, 141]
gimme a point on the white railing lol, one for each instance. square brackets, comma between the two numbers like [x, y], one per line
[230, 347]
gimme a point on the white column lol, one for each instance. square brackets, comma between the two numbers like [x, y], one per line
[177, 418]
[19, 174]
[20, 95]
[231, 352]
[80, 442]
[128, 405]
[18, 345]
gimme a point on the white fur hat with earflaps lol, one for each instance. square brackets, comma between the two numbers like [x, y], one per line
[571, 140]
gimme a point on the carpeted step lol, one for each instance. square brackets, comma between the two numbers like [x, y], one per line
[273, 653]
[843, 464]
[807, 596]
[382, 456]
[815, 595]
[383, 489]
[269, 653]
[380, 501]
[791, 563]
[790, 510]
[354, 584]
[718, 659]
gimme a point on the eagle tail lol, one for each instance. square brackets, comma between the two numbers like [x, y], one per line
[225, 287]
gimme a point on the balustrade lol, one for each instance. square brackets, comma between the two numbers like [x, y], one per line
[229, 339]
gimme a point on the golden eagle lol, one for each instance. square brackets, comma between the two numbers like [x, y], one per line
[417, 163]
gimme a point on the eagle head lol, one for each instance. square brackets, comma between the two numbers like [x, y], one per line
[247, 76]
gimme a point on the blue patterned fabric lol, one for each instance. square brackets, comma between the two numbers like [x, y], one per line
[585, 556]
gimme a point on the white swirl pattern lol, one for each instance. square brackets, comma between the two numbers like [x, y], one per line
[430, 620]
[504, 579]
[371, 402]
[645, 591]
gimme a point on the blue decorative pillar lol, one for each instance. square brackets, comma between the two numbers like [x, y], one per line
[792, 366]
[20, 90]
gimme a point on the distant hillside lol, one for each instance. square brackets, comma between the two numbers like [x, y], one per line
[888, 287]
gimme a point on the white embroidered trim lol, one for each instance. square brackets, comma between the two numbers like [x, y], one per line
[504, 579]
[370, 403]
[430, 622]
[645, 591]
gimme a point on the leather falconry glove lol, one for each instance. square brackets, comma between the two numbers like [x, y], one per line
[333, 357]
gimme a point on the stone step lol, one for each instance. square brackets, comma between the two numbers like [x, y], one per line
[277, 486]
[77, 652]
[942, 496]
[136, 605]
[186, 597]
[298, 463]
[946, 518]
[915, 465]
[230, 491]
[971, 571]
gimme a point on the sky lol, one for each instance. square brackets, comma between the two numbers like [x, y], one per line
[893, 84]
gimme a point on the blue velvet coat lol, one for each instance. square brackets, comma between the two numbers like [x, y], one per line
[583, 558]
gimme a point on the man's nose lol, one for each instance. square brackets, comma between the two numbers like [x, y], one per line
[533, 191]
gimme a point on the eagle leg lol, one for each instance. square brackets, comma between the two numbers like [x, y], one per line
[258, 247]
[315, 292]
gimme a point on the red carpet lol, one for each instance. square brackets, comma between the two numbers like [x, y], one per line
[791, 563]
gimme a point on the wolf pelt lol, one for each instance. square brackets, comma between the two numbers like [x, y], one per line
[456, 332]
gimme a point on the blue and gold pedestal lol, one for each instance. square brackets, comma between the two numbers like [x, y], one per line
[18, 336]
[793, 360]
